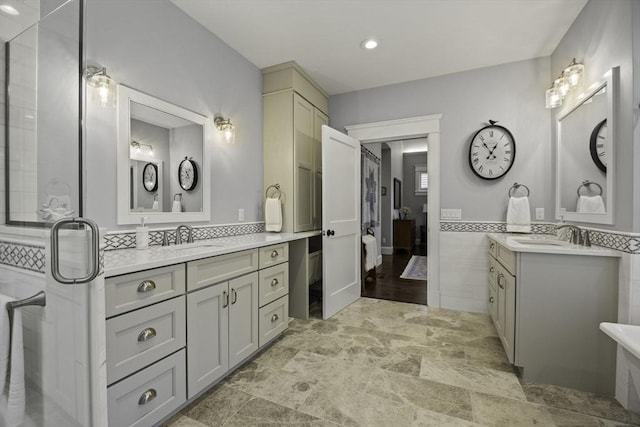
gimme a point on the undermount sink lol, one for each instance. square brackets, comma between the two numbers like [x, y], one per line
[194, 245]
[541, 242]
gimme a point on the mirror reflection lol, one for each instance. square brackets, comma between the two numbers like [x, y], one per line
[583, 175]
[163, 147]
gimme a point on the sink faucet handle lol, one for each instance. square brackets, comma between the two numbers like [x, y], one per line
[165, 238]
[587, 239]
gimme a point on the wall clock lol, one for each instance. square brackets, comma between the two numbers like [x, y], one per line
[188, 174]
[150, 177]
[492, 151]
[598, 145]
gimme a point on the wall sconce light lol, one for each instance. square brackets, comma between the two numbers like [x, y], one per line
[139, 147]
[568, 80]
[104, 86]
[227, 128]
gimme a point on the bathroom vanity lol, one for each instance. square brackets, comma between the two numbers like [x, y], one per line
[180, 318]
[547, 298]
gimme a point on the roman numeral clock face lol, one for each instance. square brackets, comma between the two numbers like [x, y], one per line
[492, 152]
[598, 145]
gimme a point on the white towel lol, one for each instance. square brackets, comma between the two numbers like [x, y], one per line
[591, 204]
[370, 250]
[519, 215]
[272, 214]
[12, 397]
[177, 206]
[155, 205]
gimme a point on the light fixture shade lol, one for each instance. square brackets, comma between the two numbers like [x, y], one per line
[552, 98]
[227, 129]
[562, 86]
[573, 73]
[104, 87]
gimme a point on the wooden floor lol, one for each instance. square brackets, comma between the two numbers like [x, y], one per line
[388, 284]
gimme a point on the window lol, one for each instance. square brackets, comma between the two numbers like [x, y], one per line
[422, 180]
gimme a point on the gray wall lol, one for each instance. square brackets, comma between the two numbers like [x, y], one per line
[511, 93]
[409, 198]
[186, 142]
[156, 48]
[601, 37]
[158, 137]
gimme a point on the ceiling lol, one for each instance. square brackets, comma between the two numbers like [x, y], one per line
[417, 38]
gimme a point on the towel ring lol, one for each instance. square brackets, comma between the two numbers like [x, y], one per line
[155, 197]
[276, 188]
[515, 187]
[586, 184]
[178, 195]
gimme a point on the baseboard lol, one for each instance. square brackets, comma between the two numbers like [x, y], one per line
[387, 250]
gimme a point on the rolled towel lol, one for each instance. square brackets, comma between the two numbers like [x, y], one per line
[371, 251]
[272, 214]
[591, 204]
[12, 398]
[519, 215]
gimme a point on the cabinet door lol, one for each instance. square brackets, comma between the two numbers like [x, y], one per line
[303, 148]
[207, 336]
[243, 318]
[506, 286]
[319, 119]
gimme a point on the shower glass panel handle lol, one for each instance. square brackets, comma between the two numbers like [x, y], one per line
[94, 259]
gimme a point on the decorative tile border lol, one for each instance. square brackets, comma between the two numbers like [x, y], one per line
[25, 256]
[624, 242]
[127, 239]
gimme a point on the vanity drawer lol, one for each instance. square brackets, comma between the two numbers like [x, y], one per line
[130, 291]
[274, 283]
[150, 395]
[274, 319]
[208, 271]
[274, 254]
[492, 246]
[506, 258]
[139, 338]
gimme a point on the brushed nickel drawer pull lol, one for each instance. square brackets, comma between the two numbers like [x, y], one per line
[500, 276]
[274, 254]
[146, 286]
[235, 296]
[225, 299]
[147, 396]
[274, 318]
[274, 282]
[146, 335]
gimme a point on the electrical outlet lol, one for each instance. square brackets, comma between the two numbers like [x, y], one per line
[240, 214]
[384, 240]
[455, 214]
[539, 213]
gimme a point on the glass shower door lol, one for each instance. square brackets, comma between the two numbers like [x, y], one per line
[62, 348]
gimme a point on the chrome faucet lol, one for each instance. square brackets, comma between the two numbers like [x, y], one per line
[576, 235]
[189, 235]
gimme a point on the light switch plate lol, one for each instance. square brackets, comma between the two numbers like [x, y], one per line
[539, 213]
[452, 214]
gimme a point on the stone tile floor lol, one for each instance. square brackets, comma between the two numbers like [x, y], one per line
[383, 363]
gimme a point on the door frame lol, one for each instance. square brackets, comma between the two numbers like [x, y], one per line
[409, 128]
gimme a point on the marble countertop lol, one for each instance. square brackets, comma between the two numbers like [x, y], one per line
[130, 260]
[548, 244]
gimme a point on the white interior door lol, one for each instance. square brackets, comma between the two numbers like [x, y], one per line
[341, 241]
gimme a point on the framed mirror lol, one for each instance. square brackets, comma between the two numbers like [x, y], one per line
[585, 157]
[156, 139]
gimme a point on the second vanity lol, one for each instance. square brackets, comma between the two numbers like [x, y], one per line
[547, 299]
[180, 318]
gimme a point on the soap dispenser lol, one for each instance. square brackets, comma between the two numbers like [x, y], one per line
[142, 235]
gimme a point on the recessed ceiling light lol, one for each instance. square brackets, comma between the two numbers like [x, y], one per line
[9, 10]
[369, 44]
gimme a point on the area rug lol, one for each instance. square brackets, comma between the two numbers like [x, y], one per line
[416, 268]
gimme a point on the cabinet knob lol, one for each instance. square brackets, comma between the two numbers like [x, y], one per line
[500, 277]
[274, 318]
[147, 396]
[491, 300]
[146, 286]
[492, 245]
[146, 335]
[491, 269]
[274, 254]
[274, 282]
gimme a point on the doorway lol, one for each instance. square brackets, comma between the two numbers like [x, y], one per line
[409, 129]
[401, 271]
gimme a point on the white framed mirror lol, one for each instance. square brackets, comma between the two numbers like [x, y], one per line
[585, 154]
[155, 138]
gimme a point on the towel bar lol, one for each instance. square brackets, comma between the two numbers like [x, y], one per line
[38, 299]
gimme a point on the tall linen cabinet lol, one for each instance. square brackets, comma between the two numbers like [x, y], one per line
[294, 110]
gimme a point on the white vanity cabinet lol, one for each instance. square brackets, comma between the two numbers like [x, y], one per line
[294, 110]
[547, 307]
